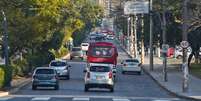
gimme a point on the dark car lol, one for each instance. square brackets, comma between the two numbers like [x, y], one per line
[76, 53]
[45, 77]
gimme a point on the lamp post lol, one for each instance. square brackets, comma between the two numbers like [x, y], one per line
[5, 45]
[184, 40]
[151, 36]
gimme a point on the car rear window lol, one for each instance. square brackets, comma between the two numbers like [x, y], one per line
[84, 44]
[132, 61]
[44, 71]
[101, 51]
[99, 69]
[58, 63]
[76, 49]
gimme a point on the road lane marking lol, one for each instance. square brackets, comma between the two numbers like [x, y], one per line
[161, 100]
[5, 98]
[40, 99]
[80, 99]
[120, 99]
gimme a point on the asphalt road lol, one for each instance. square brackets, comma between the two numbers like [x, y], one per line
[129, 87]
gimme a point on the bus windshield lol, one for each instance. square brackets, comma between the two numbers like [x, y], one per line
[102, 51]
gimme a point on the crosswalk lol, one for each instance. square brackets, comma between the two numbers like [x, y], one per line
[83, 99]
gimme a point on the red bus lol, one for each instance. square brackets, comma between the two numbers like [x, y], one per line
[102, 52]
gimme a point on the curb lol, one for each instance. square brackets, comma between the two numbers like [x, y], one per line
[15, 89]
[171, 92]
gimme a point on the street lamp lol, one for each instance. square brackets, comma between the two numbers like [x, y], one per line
[151, 36]
[5, 45]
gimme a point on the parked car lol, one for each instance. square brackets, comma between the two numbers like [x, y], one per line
[179, 52]
[45, 77]
[99, 77]
[110, 37]
[62, 68]
[131, 65]
[84, 46]
[76, 53]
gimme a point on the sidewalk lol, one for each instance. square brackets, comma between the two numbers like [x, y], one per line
[16, 84]
[175, 77]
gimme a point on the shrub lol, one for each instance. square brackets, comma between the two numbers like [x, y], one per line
[5, 75]
[59, 53]
[2, 74]
[20, 67]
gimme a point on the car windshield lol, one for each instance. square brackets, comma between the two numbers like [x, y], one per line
[58, 63]
[76, 49]
[44, 71]
[102, 51]
[134, 60]
[99, 69]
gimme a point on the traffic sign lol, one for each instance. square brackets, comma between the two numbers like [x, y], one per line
[136, 7]
[165, 48]
[184, 44]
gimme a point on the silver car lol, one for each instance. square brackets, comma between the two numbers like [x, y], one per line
[99, 77]
[45, 77]
[131, 65]
[62, 68]
[76, 53]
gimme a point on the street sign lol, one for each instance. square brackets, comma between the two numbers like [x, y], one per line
[136, 7]
[184, 44]
[165, 48]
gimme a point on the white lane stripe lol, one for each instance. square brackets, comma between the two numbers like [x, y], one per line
[80, 99]
[5, 98]
[120, 99]
[40, 99]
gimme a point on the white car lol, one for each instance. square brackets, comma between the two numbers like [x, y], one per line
[62, 68]
[84, 46]
[131, 65]
[110, 37]
[99, 77]
[113, 67]
[179, 52]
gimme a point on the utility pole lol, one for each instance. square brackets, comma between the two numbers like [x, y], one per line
[128, 33]
[165, 46]
[142, 39]
[184, 39]
[132, 37]
[135, 36]
[5, 45]
[151, 37]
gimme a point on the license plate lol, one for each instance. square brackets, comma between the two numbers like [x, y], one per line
[99, 77]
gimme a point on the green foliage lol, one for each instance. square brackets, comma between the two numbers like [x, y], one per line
[20, 67]
[37, 26]
[2, 74]
[59, 53]
[5, 75]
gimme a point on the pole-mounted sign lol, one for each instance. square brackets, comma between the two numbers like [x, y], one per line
[184, 44]
[136, 7]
